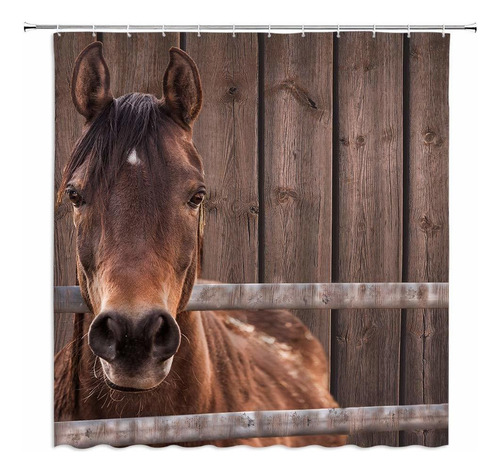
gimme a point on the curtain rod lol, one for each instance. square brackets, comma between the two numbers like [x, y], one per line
[251, 28]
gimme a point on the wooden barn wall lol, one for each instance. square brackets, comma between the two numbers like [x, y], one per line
[326, 160]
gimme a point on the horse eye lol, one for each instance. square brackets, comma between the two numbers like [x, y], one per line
[75, 198]
[197, 199]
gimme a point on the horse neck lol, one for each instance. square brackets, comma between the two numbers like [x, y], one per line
[192, 363]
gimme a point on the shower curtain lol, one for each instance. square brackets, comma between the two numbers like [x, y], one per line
[325, 160]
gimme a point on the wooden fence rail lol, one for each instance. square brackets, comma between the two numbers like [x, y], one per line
[235, 425]
[67, 299]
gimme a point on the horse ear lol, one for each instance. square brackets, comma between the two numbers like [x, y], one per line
[182, 88]
[90, 85]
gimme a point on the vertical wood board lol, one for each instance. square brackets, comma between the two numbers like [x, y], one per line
[297, 165]
[369, 234]
[425, 332]
[226, 137]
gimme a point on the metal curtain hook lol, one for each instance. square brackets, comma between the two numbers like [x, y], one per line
[374, 32]
[234, 31]
[269, 32]
[444, 31]
[93, 31]
[338, 31]
[163, 30]
[408, 31]
[57, 31]
[303, 32]
[128, 31]
[199, 31]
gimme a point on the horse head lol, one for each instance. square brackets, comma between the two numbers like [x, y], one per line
[136, 184]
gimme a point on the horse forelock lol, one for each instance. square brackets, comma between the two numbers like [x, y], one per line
[128, 123]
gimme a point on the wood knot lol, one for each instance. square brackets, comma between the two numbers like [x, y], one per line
[232, 94]
[345, 141]
[388, 134]
[361, 226]
[299, 93]
[360, 141]
[254, 210]
[427, 225]
[422, 292]
[285, 194]
[369, 333]
[429, 137]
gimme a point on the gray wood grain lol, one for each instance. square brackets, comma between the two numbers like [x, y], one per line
[137, 64]
[425, 332]
[293, 296]
[297, 154]
[226, 137]
[370, 160]
[233, 425]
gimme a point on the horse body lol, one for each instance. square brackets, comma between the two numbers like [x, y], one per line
[136, 183]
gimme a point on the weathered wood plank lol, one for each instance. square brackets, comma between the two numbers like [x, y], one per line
[226, 137]
[137, 64]
[369, 236]
[233, 425]
[297, 154]
[68, 127]
[293, 296]
[425, 332]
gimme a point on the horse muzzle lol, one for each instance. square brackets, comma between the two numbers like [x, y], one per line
[136, 353]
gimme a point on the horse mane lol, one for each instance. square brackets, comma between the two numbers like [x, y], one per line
[128, 122]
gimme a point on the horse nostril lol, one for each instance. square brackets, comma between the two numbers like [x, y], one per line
[104, 334]
[120, 339]
[166, 336]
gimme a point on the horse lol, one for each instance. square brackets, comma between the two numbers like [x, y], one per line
[135, 181]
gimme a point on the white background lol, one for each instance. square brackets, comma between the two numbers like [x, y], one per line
[26, 173]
